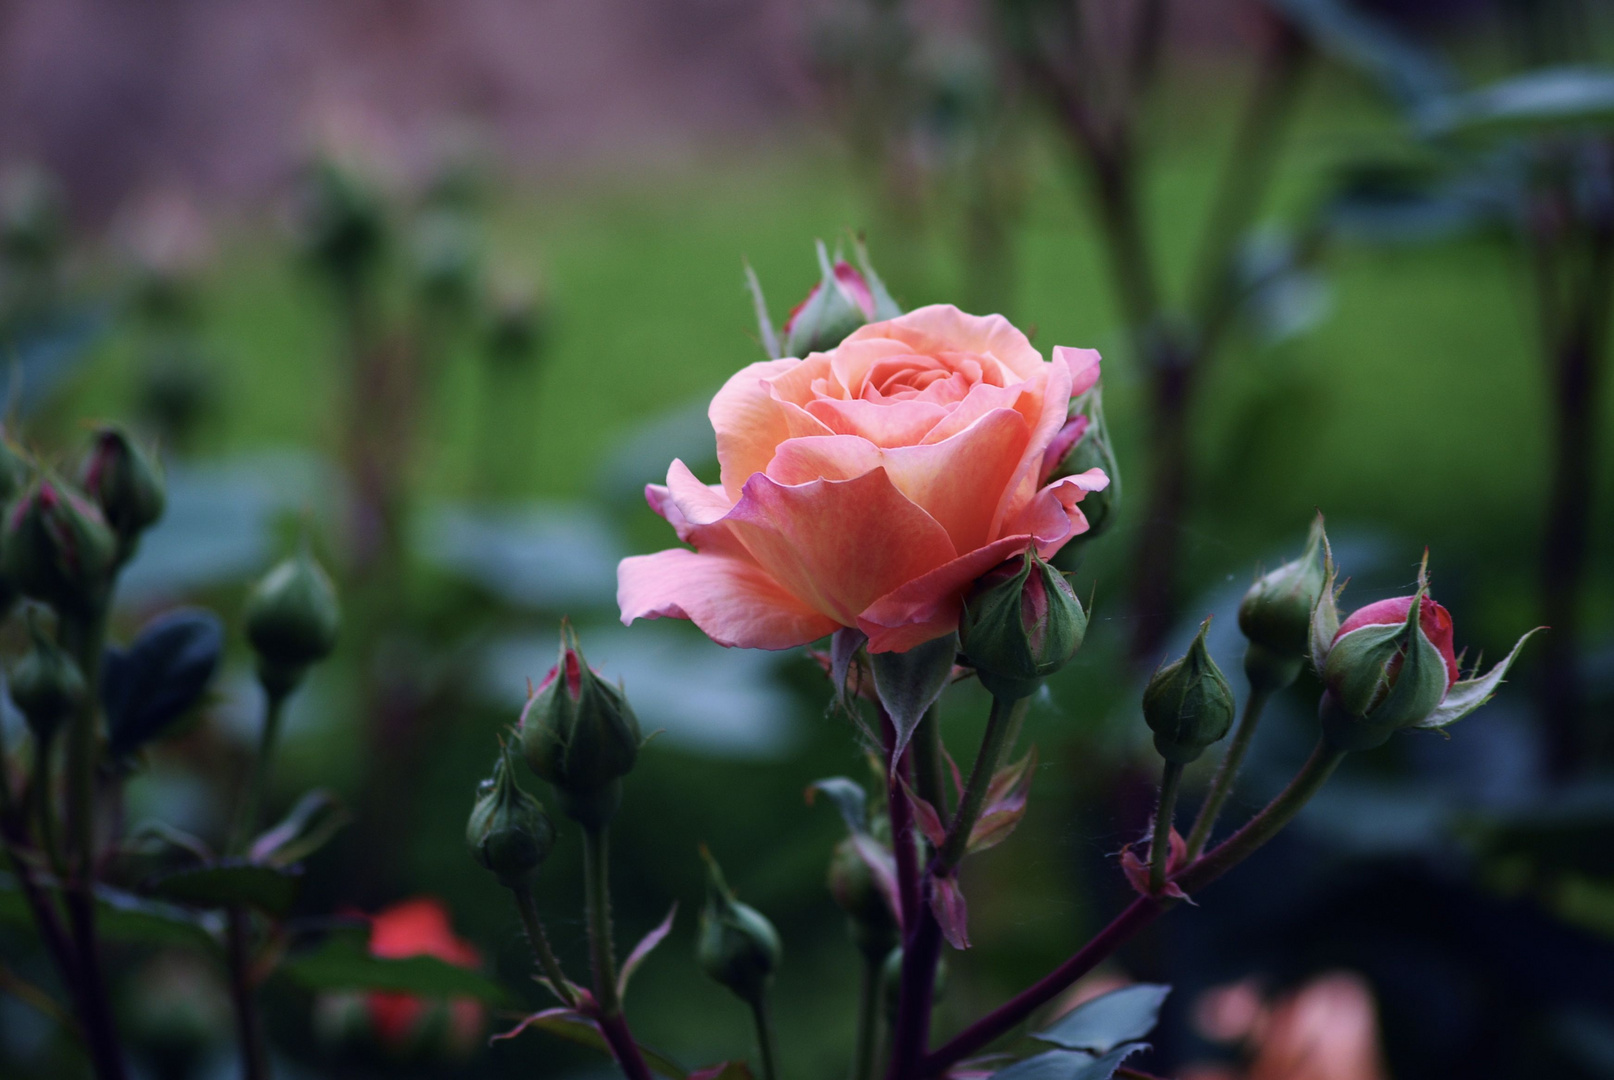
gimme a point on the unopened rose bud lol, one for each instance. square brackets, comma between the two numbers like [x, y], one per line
[292, 618]
[47, 685]
[891, 983]
[1275, 615]
[58, 548]
[1389, 667]
[508, 833]
[737, 945]
[579, 733]
[1188, 704]
[127, 482]
[1021, 623]
[868, 916]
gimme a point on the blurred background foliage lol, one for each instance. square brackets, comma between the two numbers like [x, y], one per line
[455, 364]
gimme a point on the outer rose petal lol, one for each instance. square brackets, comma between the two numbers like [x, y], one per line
[1054, 390]
[750, 420]
[927, 607]
[838, 544]
[1083, 364]
[733, 602]
[1052, 516]
[959, 481]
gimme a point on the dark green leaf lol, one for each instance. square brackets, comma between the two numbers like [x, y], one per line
[317, 817]
[1111, 1020]
[1069, 1065]
[574, 1027]
[1550, 99]
[849, 798]
[229, 882]
[153, 682]
[343, 963]
[122, 916]
[910, 682]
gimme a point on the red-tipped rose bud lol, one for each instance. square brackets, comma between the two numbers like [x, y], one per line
[1389, 667]
[58, 548]
[1083, 444]
[579, 733]
[1275, 614]
[1022, 622]
[1188, 704]
[845, 298]
[128, 484]
[737, 946]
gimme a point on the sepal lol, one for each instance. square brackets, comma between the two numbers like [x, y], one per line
[1469, 694]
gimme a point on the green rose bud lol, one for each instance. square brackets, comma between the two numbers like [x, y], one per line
[127, 482]
[1022, 622]
[1389, 667]
[1083, 444]
[579, 733]
[508, 833]
[869, 920]
[1188, 704]
[58, 548]
[292, 618]
[46, 685]
[1275, 614]
[737, 945]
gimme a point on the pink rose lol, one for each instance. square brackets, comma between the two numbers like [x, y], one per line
[1433, 620]
[868, 486]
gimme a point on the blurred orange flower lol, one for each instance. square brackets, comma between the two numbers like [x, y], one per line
[1326, 1030]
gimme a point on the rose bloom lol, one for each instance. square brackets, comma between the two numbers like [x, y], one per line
[869, 486]
[420, 927]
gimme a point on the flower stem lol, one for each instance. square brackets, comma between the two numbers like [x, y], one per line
[1140, 913]
[597, 899]
[901, 811]
[765, 1037]
[246, 823]
[1004, 718]
[865, 1058]
[528, 907]
[249, 1027]
[927, 763]
[1160, 840]
[1227, 773]
[44, 806]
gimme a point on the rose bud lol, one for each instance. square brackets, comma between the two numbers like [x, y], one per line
[1022, 622]
[58, 548]
[1188, 704]
[509, 833]
[737, 945]
[292, 618]
[1275, 614]
[1389, 667]
[1083, 444]
[868, 916]
[579, 733]
[127, 483]
[845, 298]
[47, 685]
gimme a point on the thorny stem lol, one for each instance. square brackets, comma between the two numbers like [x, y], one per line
[1140, 913]
[597, 900]
[528, 908]
[1160, 838]
[927, 763]
[901, 826]
[1227, 773]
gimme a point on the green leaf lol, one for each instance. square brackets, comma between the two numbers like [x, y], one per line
[1405, 70]
[849, 798]
[231, 882]
[1466, 696]
[344, 963]
[1069, 1065]
[312, 823]
[125, 917]
[1325, 616]
[1545, 100]
[1109, 1021]
[910, 682]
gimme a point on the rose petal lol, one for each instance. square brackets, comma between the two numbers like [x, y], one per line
[750, 420]
[959, 481]
[944, 328]
[884, 423]
[1052, 515]
[734, 603]
[927, 606]
[1083, 365]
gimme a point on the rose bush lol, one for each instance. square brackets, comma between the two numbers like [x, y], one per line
[870, 485]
